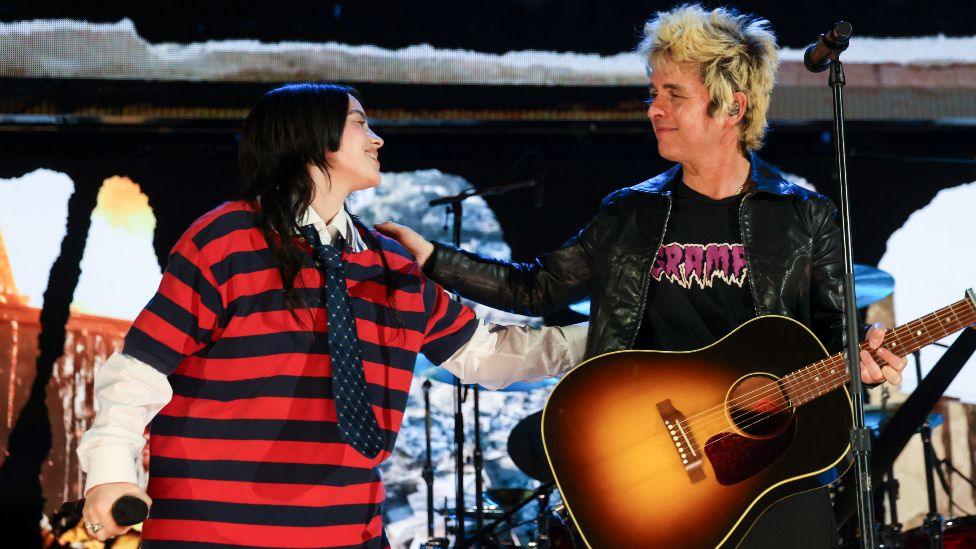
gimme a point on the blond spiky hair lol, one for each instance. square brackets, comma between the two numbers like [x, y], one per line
[734, 53]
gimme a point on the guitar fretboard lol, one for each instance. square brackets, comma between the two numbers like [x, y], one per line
[821, 377]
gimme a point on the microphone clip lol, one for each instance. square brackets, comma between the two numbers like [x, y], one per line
[819, 55]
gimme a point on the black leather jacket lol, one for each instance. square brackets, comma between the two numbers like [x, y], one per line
[793, 248]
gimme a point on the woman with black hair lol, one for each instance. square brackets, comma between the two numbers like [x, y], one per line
[275, 360]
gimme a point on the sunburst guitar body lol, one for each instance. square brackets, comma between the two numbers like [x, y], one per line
[688, 449]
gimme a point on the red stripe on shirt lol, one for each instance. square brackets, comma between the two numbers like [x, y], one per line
[240, 240]
[264, 535]
[237, 369]
[273, 322]
[272, 451]
[283, 408]
[258, 493]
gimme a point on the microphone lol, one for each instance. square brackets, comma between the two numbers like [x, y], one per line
[126, 511]
[817, 56]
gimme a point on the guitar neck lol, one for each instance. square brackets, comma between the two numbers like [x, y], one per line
[810, 382]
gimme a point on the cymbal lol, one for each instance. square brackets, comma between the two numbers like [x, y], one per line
[581, 307]
[875, 416]
[526, 450]
[426, 369]
[870, 284]
[508, 498]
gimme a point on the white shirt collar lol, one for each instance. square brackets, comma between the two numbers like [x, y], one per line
[341, 223]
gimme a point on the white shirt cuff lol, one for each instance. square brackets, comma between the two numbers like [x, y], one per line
[110, 463]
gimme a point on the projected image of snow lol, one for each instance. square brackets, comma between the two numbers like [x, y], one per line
[933, 264]
[33, 212]
[78, 49]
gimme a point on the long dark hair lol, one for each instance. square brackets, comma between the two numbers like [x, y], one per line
[290, 128]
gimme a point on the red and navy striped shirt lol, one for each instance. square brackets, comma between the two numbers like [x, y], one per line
[248, 451]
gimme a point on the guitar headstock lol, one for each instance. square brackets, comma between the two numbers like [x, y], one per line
[972, 297]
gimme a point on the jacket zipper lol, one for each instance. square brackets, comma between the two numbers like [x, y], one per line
[647, 277]
[745, 252]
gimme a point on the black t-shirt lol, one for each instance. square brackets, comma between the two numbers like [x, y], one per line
[698, 292]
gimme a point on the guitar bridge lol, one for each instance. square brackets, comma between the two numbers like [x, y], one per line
[683, 440]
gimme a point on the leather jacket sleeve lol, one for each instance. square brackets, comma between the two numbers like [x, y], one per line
[827, 278]
[543, 285]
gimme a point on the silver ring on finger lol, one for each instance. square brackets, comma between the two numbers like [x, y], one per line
[93, 527]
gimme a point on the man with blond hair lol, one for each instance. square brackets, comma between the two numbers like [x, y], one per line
[680, 260]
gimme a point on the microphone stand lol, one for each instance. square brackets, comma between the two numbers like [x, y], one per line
[454, 205]
[428, 475]
[860, 434]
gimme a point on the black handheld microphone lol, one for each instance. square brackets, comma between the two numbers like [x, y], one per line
[817, 56]
[126, 511]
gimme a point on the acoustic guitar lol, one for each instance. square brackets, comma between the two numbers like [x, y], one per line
[687, 449]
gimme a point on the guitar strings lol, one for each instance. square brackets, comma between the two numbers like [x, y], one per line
[774, 411]
[814, 374]
[812, 390]
[710, 415]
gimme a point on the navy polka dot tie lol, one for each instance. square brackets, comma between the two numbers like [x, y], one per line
[357, 423]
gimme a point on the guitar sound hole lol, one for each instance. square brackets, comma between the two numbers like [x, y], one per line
[758, 407]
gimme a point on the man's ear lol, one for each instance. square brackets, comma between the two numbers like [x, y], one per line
[740, 102]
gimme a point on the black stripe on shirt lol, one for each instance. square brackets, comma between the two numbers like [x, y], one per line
[142, 346]
[444, 347]
[269, 515]
[279, 386]
[179, 318]
[236, 263]
[224, 225]
[452, 309]
[260, 471]
[274, 300]
[303, 342]
[186, 271]
[256, 429]
[404, 282]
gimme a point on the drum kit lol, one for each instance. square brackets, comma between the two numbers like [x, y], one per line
[499, 516]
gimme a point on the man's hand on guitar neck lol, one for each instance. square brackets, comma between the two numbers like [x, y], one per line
[892, 364]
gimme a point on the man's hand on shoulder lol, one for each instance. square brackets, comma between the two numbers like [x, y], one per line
[409, 239]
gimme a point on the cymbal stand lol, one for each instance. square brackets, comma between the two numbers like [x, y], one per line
[542, 540]
[893, 530]
[934, 524]
[428, 474]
